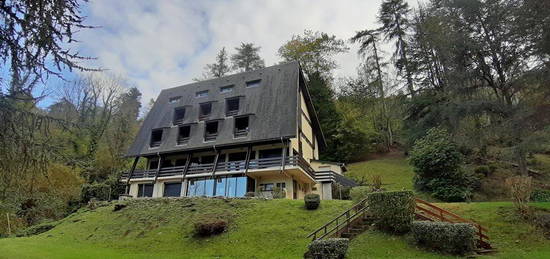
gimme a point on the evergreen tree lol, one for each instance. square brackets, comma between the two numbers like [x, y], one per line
[247, 58]
[393, 16]
[219, 68]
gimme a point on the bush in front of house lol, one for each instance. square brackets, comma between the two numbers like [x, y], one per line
[540, 195]
[279, 193]
[312, 201]
[208, 225]
[437, 165]
[98, 191]
[454, 238]
[392, 211]
[359, 193]
[331, 248]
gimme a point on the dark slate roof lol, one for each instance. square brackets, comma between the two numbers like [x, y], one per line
[272, 107]
[345, 181]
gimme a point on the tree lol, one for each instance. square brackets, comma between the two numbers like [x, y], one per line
[219, 68]
[36, 37]
[369, 49]
[393, 16]
[247, 58]
[314, 51]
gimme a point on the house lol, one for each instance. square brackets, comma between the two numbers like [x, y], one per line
[248, 132]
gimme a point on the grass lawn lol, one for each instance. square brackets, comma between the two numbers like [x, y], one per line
[258, 229]
[395, 172]
[155, 228]
[511, 236]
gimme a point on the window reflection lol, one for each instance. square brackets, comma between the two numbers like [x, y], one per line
[225, 186]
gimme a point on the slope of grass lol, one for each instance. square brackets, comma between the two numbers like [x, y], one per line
[510, 235]
[155, 228]
[395, 172]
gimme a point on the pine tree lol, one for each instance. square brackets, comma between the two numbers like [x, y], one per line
[247, 58]
[393, 16]
[220, 67]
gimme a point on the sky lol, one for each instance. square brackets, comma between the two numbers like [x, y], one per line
[167, 43]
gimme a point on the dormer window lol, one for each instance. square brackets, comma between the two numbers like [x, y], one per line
[156, 138]
[174, 99]
[201, 94]
[254, 83]
[179, 115]
[183, 134]
[211, 130]
[226, 89]
[232, 106]
[241, 127]
[205, 110]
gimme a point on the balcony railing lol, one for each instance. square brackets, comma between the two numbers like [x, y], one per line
[231, 166]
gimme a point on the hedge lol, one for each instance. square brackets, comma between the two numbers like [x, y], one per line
[331, 248]
[392, 211]
[312, 201]
[359, 193]
[540, 195]
[454, 238]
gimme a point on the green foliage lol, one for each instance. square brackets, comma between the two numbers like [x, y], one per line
[542, 220]
[99, 191]
[278, 193]
[331, 248]
[247, 58]
[436, 161]
[392, 211]
[312, 201]
[211, 224]
[36, 229]
[359, 193]
[455, 238]
[540, 195]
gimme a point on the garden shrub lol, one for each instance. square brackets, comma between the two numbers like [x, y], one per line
[209, 224]
[99, 191]
[359, 193]
[36, 229]
[520, 188]
[540, 195]
[249, 194]
[279, 193]
[331, 248]
[542, 220]
[392, 211]
[436, 161]
[454, 238]
[312, 201]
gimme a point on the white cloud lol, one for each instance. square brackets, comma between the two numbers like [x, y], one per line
[162, 44]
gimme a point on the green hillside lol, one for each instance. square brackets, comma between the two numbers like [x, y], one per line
[258, 229]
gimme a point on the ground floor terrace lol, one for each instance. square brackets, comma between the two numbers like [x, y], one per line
[229, 172]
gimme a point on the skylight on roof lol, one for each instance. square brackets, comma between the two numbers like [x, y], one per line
[174, 99]
[226, 89]
[201, 93]
[254, 83]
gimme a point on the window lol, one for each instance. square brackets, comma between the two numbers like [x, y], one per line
[156, 138]
[231, 106]
[183, 134]
[241, 127]
[179, 115]
[226, 89]
[205, 110]
[174, 99]
[271, 153]
[211, 130]
[172, 190]
[254, 83]
[180, 162]
[145, 190]
[201, 94]
[266, 187]
[153, 164]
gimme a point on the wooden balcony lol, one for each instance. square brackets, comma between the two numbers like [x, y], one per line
[226, 167]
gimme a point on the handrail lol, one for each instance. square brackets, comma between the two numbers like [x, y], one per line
[359, 208]
[443, 215]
